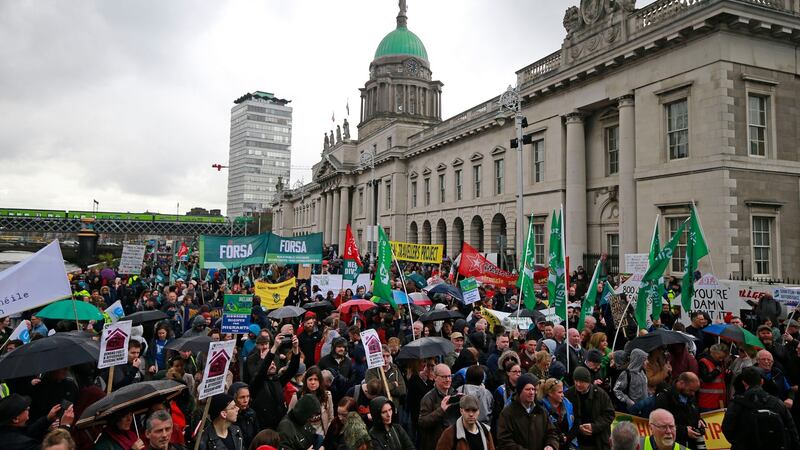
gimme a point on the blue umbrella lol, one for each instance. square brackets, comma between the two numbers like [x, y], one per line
[445, 288]
[400, 297]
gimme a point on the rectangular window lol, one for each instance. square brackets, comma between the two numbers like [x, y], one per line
[441, 188]
[388, 196]
[361, 201]
[538, 243]
[538, 160]
[388, 142]
[678, 129]
[427, 191]
[413, 194]
[612, 245]
[678, 264]
[498, 176]
[476, 178]
[612, 149]
[458, 185]
[757, 124]
[762, 245]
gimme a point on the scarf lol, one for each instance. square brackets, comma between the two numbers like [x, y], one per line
[125, 439]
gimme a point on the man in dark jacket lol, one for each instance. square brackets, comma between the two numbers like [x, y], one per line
[523, 425]
[467, 433]
[433, 408]
[337, 360]
[221, 433]
[576, 353]
[766, 307]
[309, 338]
[267, 385]
[679, 399]
[754, 404]
[246, 419]
[16, 433]
[593, 411]
[295, 431]
[385, 434]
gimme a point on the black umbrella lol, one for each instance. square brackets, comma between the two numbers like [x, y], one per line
[189, 344]
[323, 305]
[444, 288]
[525, 312]
[51, 353]
[141, 317]
[440, 314]
[425, 347]
[136, 397]
[286, 312]
[656, 339]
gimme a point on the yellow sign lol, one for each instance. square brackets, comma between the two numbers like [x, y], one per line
[273, 295]
[715, 440]
[424, 253]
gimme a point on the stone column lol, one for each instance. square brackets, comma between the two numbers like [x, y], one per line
[575, 209]
[321, 214]
[327, 221]
[344, 217]
[335, 219]
[627, 183]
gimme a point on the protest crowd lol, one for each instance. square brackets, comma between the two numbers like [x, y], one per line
[497, 372]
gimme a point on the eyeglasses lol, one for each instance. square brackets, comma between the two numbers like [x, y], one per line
[664, 427]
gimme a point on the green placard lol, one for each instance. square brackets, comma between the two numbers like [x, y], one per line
[236, 313]
[469, 289]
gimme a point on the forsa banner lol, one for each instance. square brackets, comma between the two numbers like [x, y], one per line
[227, 252]
[424, 253]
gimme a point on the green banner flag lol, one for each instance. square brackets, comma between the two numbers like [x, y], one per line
[696, 248]
[657, 296]
[294, 250]
[227, 252]
[525, 280]
[649, 286]
[382, 287]
[587, 308]
[556, 283]
[608, 292]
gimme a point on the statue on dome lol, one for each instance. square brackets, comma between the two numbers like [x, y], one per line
[327, 143]
[338, 134]
[346, 127]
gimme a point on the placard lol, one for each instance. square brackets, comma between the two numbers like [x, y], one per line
[719, 297]
[304, 272]
[469, 290]
[424, 253]
[636, 262]
[550, 315]
[131, 261]
[373, 347]
[236, 314]
[787, 296]
[334, 283]
[114, 344]
[115, 311]
[219, 360]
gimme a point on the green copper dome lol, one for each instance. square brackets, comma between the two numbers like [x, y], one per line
[401, 41]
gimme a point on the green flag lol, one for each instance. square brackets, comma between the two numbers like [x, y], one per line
[525, 280]
[649, 286]
[556, 284]
[382, 285]
[655, 245]
[657, 297]
[587, 308]
[608, 292]
[696, 248]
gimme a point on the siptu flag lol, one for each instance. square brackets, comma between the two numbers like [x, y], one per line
[183, 252]
[526, 264]
[587, 308]
[195, 272]
[556, 283]
[352, 259]
[649, 287]
[160, 277]
[22, 332]
[696, 248]
[608, 292]
[658, 295]
[382, 287]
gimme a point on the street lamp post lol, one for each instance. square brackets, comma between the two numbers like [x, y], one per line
[367, 159]
[511, 101]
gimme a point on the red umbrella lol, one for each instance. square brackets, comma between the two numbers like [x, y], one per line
[420, 299]
[362, 305]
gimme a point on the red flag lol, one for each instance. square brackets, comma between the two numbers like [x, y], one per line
[350, 247]
[473, 264]
[184, 250]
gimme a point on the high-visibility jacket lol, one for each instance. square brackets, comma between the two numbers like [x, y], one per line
[648, 443]
[712, 393]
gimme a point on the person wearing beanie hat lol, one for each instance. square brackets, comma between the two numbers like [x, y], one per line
[337, 359]
[523, 424]
[17, 432]
[594, 362]
[246, 419]
[593, 410]
[222, 433]
[295, 431]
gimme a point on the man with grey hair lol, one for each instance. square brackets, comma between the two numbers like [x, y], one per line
[625, 436]
[662, 426]
[158, 430]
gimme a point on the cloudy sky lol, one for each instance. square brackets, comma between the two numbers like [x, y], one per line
[129, 102]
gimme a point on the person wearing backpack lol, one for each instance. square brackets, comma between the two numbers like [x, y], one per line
[756, 419]
[631, 385]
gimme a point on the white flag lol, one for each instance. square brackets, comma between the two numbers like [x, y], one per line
[22, 332]
[36, 281]
[115, 311]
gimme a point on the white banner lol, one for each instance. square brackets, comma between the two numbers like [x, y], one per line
[114, 344]
[36, 281]
[636, 262]
[131, 261]
[115, 311]
[551, 316]
[630, 286]
[219, 360]
[22, 332]
[372, 345]
[333, 283]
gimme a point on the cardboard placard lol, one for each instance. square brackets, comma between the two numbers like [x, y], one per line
[220, 355]
[236, 313]
[114, 344]
[373, 347]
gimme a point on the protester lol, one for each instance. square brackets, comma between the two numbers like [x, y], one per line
[17, 432]
[120, 434]
[246, 418]
[295, 430]
[434, 407]
[593, 411]
[385, 434]
[524, 423]
[679, 400]
[158, 430]
[625, 436]
[662, 425]
[559, 410]
[468, 433]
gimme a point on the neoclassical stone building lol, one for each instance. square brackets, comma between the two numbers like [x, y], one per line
[640, 113]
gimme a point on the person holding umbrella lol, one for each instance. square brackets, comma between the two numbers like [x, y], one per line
[16, 433]
[120, 434]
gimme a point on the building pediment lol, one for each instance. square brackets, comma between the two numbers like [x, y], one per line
[441, 167]
[426, 171]
[413, 174]
[457, 162]
[499, 150]
[477, 156]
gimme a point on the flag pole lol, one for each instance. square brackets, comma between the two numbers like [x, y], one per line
[408, 299]
[563, 259]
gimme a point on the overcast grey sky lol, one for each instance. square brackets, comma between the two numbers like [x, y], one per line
[129, 102]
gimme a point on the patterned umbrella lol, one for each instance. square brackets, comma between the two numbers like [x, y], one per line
[733, 333]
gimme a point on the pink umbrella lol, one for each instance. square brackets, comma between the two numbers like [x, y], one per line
[361, 304]
[420, 299]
